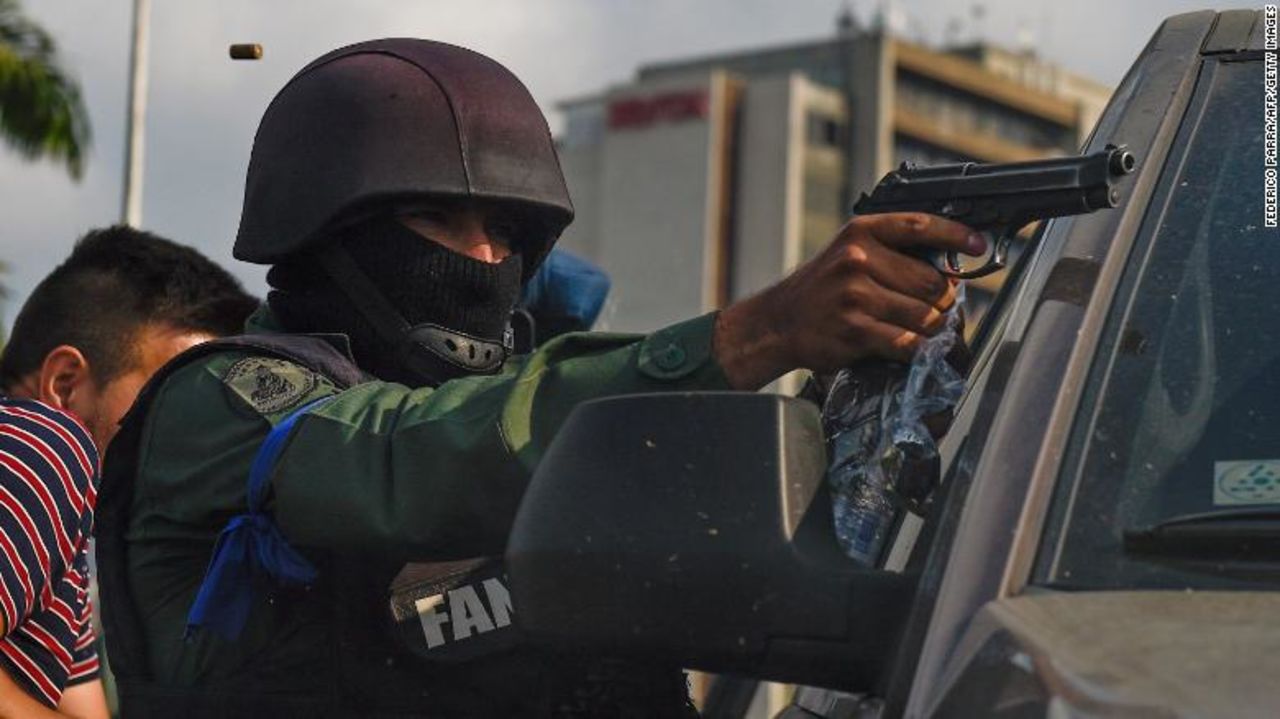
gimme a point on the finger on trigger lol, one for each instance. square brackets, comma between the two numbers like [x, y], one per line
[915, 229]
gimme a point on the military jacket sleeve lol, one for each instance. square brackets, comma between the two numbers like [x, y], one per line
[422, 473]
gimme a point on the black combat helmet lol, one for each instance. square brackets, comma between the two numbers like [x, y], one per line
[388, 121]
[365, 134]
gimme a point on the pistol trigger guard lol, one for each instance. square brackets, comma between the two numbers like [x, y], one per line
[996, 262]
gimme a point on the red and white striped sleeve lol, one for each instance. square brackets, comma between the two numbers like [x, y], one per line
[84, 655]
[47, 465]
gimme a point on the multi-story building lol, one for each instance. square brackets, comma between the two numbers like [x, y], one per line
[704, 180]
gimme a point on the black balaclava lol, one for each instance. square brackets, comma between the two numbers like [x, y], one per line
[459, 308]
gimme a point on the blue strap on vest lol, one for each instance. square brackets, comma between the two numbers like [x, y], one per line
[250, 548]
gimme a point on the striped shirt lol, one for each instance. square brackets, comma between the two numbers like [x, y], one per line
[48, 488]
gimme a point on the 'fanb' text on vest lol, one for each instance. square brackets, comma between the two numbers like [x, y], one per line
[465, 613]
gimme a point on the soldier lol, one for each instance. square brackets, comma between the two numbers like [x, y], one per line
[402, 191]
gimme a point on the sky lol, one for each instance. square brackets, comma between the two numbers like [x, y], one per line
[203, 108]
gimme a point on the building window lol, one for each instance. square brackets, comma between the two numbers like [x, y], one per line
[956, 111]
[906, 149]
[824, 131]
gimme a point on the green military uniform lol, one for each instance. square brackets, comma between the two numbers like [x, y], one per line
[390, 473]
[372, 171]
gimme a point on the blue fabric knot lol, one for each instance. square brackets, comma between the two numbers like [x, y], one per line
[250, 548]
[250, 551]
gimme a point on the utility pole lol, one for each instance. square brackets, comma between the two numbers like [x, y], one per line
[135, 125]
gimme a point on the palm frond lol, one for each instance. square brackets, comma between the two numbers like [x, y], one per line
[41, 111]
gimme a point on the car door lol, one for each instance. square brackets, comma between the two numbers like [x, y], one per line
[1007, 449]
[1001, 454]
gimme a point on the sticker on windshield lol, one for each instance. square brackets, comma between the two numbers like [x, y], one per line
[1250, 481]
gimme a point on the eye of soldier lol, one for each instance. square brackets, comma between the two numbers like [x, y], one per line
[503, 229]
[434, 215]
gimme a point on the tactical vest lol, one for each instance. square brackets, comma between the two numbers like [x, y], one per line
[434, 640]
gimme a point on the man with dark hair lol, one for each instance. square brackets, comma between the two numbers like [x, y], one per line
[87, 339]
[403, 192]
[112, 313]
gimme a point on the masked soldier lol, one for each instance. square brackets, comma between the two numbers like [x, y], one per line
[373, 416]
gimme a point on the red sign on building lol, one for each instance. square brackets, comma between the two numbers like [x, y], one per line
[637, 112]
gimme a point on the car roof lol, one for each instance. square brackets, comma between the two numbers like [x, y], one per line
[1234, 31]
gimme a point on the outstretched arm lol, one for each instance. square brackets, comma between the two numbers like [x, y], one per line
[432, 473]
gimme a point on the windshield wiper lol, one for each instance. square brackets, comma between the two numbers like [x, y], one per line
[1240, 534]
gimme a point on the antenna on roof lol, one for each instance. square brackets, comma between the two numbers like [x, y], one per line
[978, 12]
[951, 33]
[880, 18]
[846, 23]
[891, 18]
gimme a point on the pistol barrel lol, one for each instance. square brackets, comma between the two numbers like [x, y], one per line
[1002, 197]
[998, 195]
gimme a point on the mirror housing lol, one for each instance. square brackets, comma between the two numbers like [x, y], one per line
[696, 528]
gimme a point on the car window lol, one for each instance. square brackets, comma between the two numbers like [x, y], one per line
[1181, 414]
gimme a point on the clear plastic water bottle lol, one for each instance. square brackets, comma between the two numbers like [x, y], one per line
[873, 418]
[852, 419]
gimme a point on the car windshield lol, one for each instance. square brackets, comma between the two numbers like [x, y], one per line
[1181, 414]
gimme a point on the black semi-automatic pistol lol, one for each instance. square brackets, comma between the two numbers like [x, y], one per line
[1000, 198]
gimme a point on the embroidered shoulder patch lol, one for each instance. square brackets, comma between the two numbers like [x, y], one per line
[270, 385]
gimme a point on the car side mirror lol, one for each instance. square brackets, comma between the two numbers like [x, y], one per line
[696, 528]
